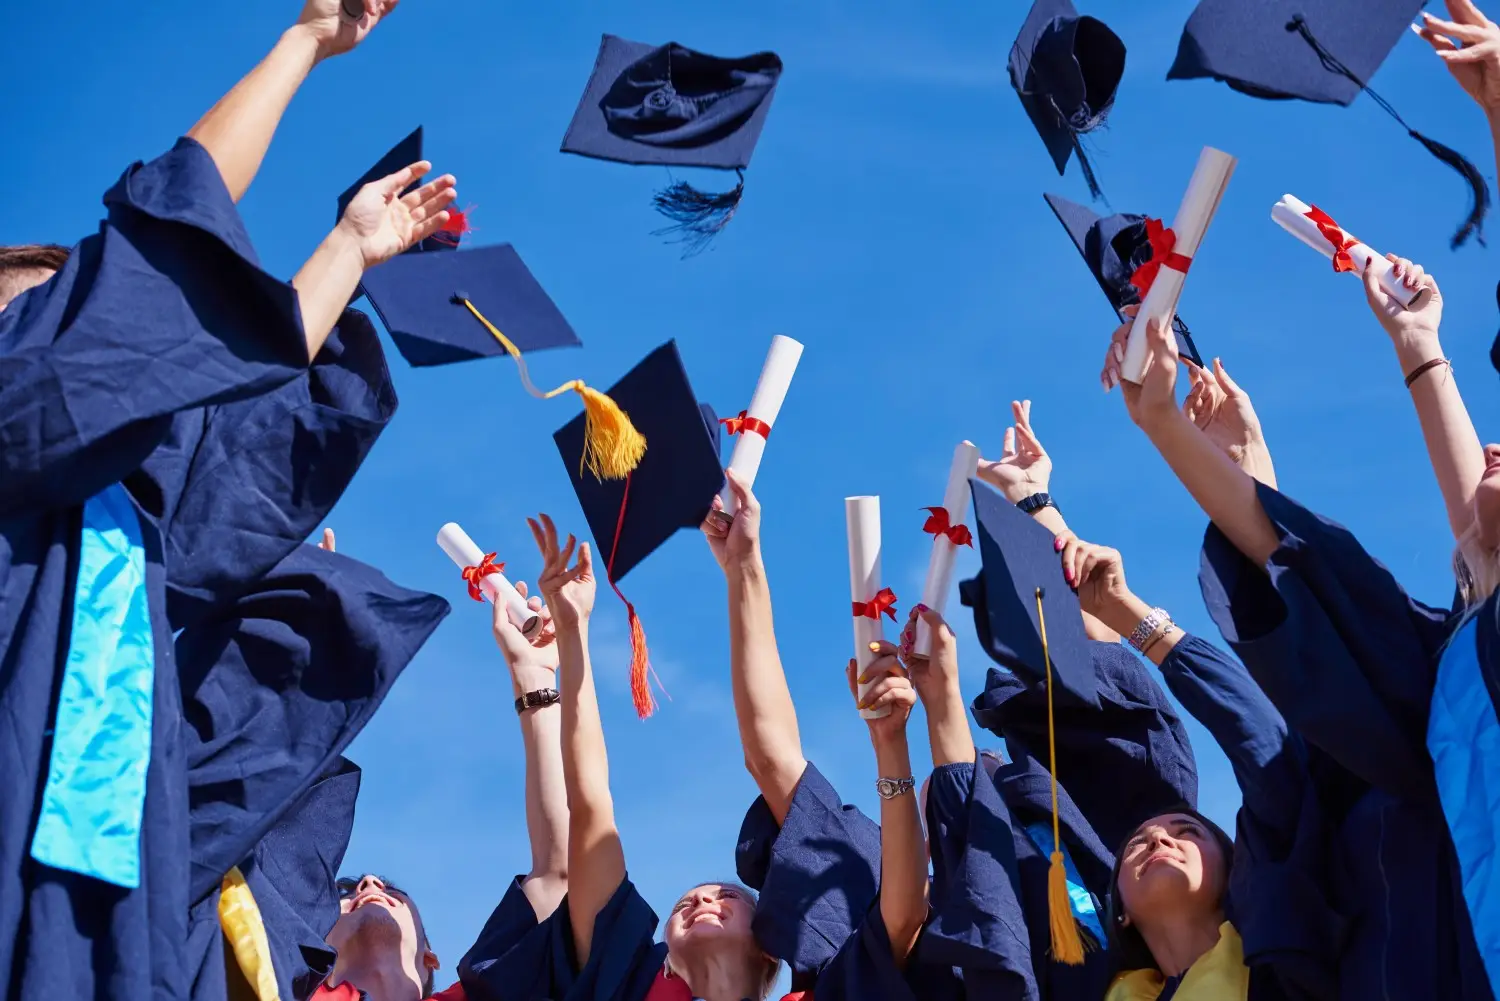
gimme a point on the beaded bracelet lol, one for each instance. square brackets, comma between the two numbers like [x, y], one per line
[1150, 624]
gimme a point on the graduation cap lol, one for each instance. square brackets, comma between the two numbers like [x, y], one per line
[1115, 247]
[1028, 620]
[672, 488]
[405, 153]
[431, 305]
[1066, 69]
[1321, 51]
[672, 106]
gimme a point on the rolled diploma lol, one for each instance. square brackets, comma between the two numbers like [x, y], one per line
[765, 405]
[863, 517]
[940, 564]
[1205, 189]
[462, 551]
[1291, 215]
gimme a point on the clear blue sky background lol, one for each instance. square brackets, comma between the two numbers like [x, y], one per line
[894, 223]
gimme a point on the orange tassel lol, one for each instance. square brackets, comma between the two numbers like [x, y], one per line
[640, 664]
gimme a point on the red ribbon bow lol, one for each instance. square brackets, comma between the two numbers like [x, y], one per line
[741, 423]
[1335, 235]
[1162, 241]
[884, 601]
[456, 228]
[474, 575]
[939, 524]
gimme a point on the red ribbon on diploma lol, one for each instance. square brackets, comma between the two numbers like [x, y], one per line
[741, 424]
[1335, 235]
[884, 601]
[474, 575]
[456, 228]
[939, 524]
[1162, 241]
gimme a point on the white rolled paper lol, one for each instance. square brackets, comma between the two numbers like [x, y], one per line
[462, 551]
[1291, 214]
[1204, 191]
[940, 563]
[863, 517]
[765, 405]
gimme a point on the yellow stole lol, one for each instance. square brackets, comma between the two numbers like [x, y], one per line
[1219, 975]
[239, 919]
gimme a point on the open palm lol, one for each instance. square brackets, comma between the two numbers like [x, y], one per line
[1470, 46]
[1024, 467]
[569, 591]
[383, 222]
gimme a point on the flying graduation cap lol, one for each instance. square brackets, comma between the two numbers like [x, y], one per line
[673, 488]
[405, 153]
[1312, 50]
[1115, 248]
[672, 106]
[1066, 69]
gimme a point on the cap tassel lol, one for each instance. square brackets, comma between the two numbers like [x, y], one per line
[1067, 943]
[612, 447]
[1186, 336]
[697, 216]
[640, 657]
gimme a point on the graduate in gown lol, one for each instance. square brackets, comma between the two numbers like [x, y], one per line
[1360, 672]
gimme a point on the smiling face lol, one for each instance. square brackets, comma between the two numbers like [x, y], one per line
[713, 912]
[1171, 862]
[376, 916]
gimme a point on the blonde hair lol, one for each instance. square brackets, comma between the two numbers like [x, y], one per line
[1476, 568]
[772, 964]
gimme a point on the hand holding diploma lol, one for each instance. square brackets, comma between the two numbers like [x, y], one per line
[752, 426]
[947, 526]
[871, 601]
[1315, 228]
[485, 578]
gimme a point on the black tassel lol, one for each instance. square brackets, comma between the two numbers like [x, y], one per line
[1495, 347]
[1479, 192]
[697, 216]
[1087, 168]
[1185, 346]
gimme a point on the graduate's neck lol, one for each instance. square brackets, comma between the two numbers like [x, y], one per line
[1177, 940]
[380, 973]
[719, 977]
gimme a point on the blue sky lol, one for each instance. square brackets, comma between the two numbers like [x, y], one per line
[894, 223]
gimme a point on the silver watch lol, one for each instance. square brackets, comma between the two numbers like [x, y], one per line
[891, 788]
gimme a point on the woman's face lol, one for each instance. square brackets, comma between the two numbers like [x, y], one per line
[714, 914]
[1171, 862]
[1487, 501]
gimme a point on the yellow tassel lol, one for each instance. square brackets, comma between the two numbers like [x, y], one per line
[612, 447]
[1067, 944]
[239, 919]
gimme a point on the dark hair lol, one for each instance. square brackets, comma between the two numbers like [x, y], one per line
[33, 257]
[1129, 948]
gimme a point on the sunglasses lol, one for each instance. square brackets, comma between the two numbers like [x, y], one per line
[350, 887]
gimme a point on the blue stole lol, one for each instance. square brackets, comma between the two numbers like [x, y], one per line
[1085, 907]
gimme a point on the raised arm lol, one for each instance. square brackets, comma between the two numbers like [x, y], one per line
[533, 671]
[937, 685]
[237, 130]
[596, 860]
[903, 849]
[1469, 45]
[762, 701]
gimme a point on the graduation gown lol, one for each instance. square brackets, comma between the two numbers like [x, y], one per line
[1351, 662]
[105, 372]
[1122, 762]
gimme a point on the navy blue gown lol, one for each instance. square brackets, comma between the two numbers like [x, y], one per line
[1351, 662]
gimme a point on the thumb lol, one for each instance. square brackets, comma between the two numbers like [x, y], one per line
[1374, 294]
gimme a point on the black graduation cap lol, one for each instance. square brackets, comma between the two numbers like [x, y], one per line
[1114, 247]
[673, 106]
[1066, 69]
[672, 488]
[1019, 563]
[405, 153]
[1311, 50]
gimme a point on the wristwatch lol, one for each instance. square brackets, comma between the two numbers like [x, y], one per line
[1034, 503]
[537, 699]
[891, 788]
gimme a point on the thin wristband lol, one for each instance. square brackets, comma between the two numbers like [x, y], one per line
[1424, 368]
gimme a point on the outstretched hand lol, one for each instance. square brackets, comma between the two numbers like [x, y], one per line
[521, 654]
[332, 26]
[1469, 45]
[936, 672]
[383, 223]
[1223, 412]
[569, 592]
[734, 541]
[1024, 468]
[1407, 327]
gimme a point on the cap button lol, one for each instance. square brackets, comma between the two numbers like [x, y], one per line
[460, 296]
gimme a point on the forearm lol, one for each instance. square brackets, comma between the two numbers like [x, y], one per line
[1452, 443]
[903, 855]
[325, 284]
[237, 130]
[546, 791]
[762, 701]
[1130, 612]
[948, 731]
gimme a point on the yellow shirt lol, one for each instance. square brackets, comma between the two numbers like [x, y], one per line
[1219, 975]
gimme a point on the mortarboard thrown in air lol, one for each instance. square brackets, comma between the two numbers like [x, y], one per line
[431, 304]
[1066, 69]
[1029, 621]
[405, 153]
[672, 106]
[1116, 248]
[1312, 50]
[672, 488]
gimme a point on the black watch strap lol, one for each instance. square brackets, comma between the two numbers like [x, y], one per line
[1034, 503]
[537, 699]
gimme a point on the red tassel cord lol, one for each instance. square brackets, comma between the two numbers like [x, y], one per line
[641, 673]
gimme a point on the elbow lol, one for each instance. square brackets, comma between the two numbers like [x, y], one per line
[902, 929]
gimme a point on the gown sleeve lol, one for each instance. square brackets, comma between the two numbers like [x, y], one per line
[276, 687]
[864, 969]
[817, 874]
[1123, 761]
[1334, 642]
[267, 471]
[163, 310]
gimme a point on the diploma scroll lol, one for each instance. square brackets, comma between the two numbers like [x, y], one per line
[944, 551]
[352, 10]
[1298, 218]
[765, 407]
[863, 517]
[1204, 191]
[462, 551]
